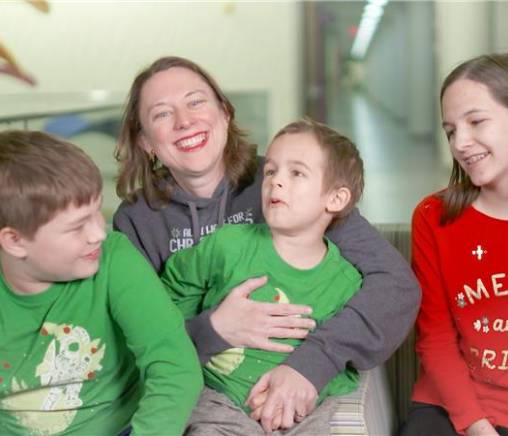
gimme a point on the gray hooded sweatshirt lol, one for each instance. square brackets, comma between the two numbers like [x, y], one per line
[364, 334]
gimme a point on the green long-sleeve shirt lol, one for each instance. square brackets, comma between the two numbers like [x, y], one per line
[200, 277]
[90, 356]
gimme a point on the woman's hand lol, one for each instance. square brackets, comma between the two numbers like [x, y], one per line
[246, 323]
[482, 427]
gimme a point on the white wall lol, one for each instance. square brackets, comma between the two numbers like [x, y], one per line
[385, 65]
[500, 29]
[82, 46]
[463, 30]
[400, 65]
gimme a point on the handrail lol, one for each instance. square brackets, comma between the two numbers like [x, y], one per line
[36, 115]
[28, 107]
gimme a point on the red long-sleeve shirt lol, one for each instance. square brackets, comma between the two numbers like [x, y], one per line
[463, 321]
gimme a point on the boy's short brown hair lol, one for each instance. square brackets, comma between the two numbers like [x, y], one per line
[344, 166]
[41, 175]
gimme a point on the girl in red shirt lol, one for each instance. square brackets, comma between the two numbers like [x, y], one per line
[460, 238]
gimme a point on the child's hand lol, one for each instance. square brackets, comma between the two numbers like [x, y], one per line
[256, 404]
[288, 398]
[482, 427]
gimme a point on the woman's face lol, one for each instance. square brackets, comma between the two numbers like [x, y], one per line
[477, 129]
[185, 126]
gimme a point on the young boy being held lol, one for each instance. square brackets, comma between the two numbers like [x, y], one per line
[89, 341]
[313, 177]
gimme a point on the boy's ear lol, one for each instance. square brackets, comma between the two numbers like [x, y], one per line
[12, 242]
[338, 199]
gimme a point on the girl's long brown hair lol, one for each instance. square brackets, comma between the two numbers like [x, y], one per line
[491, 71]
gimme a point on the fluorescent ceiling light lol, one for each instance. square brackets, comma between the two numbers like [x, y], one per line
[372, 13]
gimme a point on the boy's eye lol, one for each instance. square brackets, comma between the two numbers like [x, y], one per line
[297, 173]
[269, 172]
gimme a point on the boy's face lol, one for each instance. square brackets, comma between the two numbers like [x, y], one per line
[66, 248]
[293, 197]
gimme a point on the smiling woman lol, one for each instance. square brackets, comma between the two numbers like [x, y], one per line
[185, 126]
[186, 169]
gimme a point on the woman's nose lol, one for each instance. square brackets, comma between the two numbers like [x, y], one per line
[182, 119]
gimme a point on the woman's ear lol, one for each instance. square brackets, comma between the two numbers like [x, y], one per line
[226, 112]
[338, 199]
[144, 144]
[12, 242]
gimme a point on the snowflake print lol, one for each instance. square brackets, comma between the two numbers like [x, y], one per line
[477, 325]
[461, 302]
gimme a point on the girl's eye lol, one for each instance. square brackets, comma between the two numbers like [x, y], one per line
[449, 134]
[269, 172]
[476, 122]
[297, 173]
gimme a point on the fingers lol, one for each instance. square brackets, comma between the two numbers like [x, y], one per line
[277, 422]
[256, 414]
[261, 387]
[288, 333]
[270, 411]
[285, 309]
[299, 417]
[288, 414]
[293, 322]
[245, 289]
[265, 344]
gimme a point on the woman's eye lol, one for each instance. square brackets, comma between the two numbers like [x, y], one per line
[164, 114]
[196, 103]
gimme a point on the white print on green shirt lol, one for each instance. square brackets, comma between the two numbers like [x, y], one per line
[70, 359]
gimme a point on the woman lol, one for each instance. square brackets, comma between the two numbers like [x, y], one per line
[181, 146]
[459, 256]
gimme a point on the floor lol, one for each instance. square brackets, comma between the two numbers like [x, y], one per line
[399, 169]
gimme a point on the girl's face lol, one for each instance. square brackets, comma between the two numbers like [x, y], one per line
[476, 126]
[184, 124]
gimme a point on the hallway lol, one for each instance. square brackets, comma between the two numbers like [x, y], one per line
[399, 169]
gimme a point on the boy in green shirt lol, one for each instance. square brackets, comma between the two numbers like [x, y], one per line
[89, 341]
[313, 177]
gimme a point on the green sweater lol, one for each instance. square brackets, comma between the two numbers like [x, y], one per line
[200, 277]
[90, 356]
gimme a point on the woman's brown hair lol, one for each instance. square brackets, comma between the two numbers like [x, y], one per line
[136, 168]
[491, 71]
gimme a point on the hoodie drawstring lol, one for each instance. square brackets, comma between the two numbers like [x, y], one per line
[196, 230]
[222, 207]
[196, 234]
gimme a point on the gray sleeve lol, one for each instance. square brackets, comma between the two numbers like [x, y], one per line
[377, 318]
[206, 340]
[123, 222]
